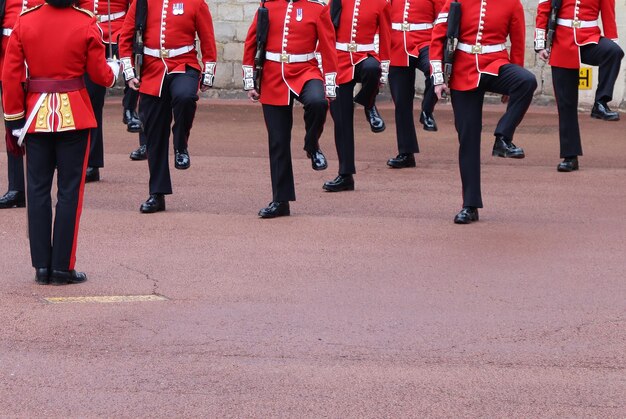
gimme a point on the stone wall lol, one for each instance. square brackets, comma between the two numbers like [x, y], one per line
[232, 19]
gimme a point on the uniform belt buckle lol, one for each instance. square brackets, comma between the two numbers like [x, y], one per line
[576, 23]
[99, 18]
[352, 47]
[165, 53]
[405, 27]
[284, 57]
[477, 49]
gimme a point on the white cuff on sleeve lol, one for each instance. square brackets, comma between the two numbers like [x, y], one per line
[540, 39]
[331, 84]
[437, 72]
[248, 77]
[129, 70]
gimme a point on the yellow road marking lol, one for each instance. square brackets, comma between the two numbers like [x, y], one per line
[105, 299]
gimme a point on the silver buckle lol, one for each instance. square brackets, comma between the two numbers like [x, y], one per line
[477, 49]
[165, 53]
[576, 23]
[352, 47]
[284, 57]
[405, 27]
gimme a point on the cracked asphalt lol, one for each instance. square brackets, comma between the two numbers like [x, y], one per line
[363, 304]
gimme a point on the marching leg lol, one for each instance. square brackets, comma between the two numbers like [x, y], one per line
[342, 111]
[315, 110]
[184, 93]
[158, 117]
[565, 82]
[430, 98]
[468, 108]
[96, 152]
[607, 55]
[71, 158]
[40, 165]
[519, 84]
[402, 87]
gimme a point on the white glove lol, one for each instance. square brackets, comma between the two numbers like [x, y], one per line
[17, 132]
[114, 65]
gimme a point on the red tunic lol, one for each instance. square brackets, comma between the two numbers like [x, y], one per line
[12, 10]
[360, 21]
[295, 27]
[482, 23]
[565, 52]
[100, 8]
[170, 25]
[404, 42]
[77, 50]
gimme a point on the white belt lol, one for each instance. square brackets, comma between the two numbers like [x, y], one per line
[575, 23]
[112, 16]
[407, 27]
[480, 49]
[167, 53]
[354, 47]
[289, 58]
[7, 32]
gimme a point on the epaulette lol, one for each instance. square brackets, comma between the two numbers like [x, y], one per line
[31, 9]
[85, 11]
[318, 2]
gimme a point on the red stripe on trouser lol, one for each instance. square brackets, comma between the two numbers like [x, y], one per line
[79, 206]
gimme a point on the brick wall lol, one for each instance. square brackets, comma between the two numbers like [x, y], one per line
[232, 19]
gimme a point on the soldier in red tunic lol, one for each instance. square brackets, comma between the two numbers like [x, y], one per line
[577, 38]
[356, 22]
[170, 78]
[110, 15]
[482, 64]
[14, 197]
[54, 115]
[297, 29]
[411, 28]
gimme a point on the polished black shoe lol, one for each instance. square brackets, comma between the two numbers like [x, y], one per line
[132, 121]
[275, 209]
[568, 164]
[602, 111]
[13, 199]
[67, 277]
[318, 160]
[42, 276]
[466, 215]
[181, 159]
[505, 148]
[402, 160]
[92, 174]
[340, 183]
[428, 121]
[375, 120]
[140, 154]
[155, 203]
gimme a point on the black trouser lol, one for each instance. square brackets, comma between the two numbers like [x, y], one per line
[402, 87]
[607, 55]
[512, 80]
[15, 166]
[367, 72]
[97, 94]
[142, 118]
[67, 152]
[179, 95]
[279, 121]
